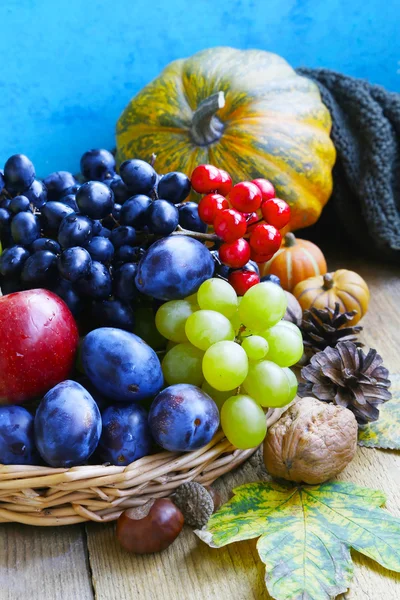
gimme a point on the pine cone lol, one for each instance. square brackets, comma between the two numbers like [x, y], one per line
[195, 503]
[347, 377]
[323, 328]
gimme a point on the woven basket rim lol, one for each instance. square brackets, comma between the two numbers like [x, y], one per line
[49, 496]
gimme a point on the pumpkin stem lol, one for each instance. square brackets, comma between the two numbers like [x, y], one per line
[328, 281]
[206, 127]
[289, 240]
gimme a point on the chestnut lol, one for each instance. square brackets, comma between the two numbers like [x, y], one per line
[151, 527]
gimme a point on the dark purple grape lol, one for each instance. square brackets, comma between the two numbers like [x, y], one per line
[252, 266]
[19, 204]
[67, 425]
[121, 365]
[25, 228]
[183, 418]
[189, 218]
[124, 286]
[19, 173]
[112, 313]
[104, 232]
[174, 187]
[5, 220]
[66, 291]
[36, 193]
[58, 183]
[98, 284]
[97, 165]
[75, 230]
[162, 217]
[17, 440]
[272, 278]
[116, 211]
[70, 200]
[134, 211]
[95, 200]
[2, 181]
[221, 270]
[139, 176]
[46, 244]
[71, 191]
[119, 189]
[74, 263]
[125, 434]
[5, 203]
[101, 249]
[53, 213]
[40, 269]
[123, 235]
[12, 261]
[97, 227]
[126, 254]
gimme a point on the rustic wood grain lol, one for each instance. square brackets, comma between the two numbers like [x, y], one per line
[40, 563]
[191, 570]
[51, 564]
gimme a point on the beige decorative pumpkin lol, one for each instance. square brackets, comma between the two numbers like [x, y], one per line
[245, 111]
[311, 443]
[342, 286]
[295, 261]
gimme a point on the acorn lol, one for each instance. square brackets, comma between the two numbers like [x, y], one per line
[151, 527]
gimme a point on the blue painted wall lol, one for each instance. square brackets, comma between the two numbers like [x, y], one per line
[68, 67]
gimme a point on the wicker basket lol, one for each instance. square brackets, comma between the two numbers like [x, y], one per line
[47, 496]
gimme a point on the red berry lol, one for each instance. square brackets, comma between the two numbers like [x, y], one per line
[266, 188]
[206, 179]
[265, 239]
[209, 206]
[276, 212]
[225, 187]
[260, 258]
[236, 254]
[230, 224]
[241, 281]
[245, 196]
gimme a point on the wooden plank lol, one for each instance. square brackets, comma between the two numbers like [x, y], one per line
[43, 563]
[190, 569]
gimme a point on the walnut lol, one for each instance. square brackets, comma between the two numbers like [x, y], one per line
[311, 443]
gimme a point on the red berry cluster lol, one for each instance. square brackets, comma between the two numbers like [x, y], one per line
[247, 217]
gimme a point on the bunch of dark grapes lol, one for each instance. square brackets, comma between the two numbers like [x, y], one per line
[82, 237]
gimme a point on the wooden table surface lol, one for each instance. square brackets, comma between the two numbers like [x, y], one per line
[85, 562]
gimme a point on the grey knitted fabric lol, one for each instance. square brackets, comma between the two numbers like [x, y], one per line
[366, 134]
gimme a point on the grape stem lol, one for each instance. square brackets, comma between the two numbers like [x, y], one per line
[197, 235]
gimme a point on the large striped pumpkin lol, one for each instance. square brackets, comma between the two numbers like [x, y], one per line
[342, 286]
[295, 261]
[246, 111]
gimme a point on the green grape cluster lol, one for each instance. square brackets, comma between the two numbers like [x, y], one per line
[238, 350]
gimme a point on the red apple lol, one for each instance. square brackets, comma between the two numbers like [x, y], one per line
[38, 343]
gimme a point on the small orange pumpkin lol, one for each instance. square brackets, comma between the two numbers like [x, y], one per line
[295, 261]
[345, 287]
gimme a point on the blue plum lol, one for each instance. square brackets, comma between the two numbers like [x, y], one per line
[125, 435]
[183, 418]
[173, 268]
[17, 442]
[67, 425]
[121, 365]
